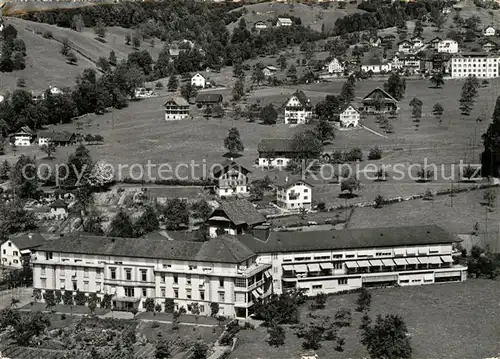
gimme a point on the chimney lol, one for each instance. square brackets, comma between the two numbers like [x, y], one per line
[262, 232]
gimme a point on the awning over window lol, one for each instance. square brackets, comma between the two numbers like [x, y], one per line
[314, 267]
[25, 251]
[288, 267]
[399, 251]
[376, 263]
[412, 260]
[446, 259]
[411, 250]
[434, 260]
[326, 265]
[300, 268]
[423, 250]
[351, 265]
[400, 261]
[267, 273]
[255, 294]
[388, 262]
[423, 260]
[364, 264]
[127, 299]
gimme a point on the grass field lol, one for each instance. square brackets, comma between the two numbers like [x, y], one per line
[443, 320]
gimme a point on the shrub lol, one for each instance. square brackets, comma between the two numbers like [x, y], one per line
[379, 201]
[375, 153]
[159, 85]
[47, 35]
[354, 155]
[169, 305]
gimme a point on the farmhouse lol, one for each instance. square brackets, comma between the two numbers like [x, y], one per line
[417, 42]
[405, 46]
[259, 25]
[234, 216]
[284, 21]
[298, 109]
[448, 45]
[489, 31]
[208, 99]
[376, 66]
[434, 43]
[232, 179]
[176, 108]
[198, 81]
[409, 62]
[59, 209]
[375, 41]
[348, 116]
[489, 46]
[379, 101]
[23, 137]
[336, 67]
[57, 138]
[270, 71]
[17, 248]
[294, 194]
[479, 64]
[275, 152]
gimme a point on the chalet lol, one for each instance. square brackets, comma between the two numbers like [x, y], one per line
[409, 62]
[275, 152]
[348, 116]
[57, 138]
[59, 209]
[375, 41]
[417, 42]
[294, 194]
[489, 46]
[336, 67]
[198, 81]
[376, 66]
[208, 99]
[259, 25]
[489, 31]
[298, 109]
[405, 46]
[379, 101]
[449, 46]
[23, 137]
[234, 216]
[434, 42]
[270, 71]
[176, 108]
[174, 52]
[17, 248]
[284, 21]
[232, 179]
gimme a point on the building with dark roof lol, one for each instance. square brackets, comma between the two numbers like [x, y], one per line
[234, 216]
[231, 179]
[17, 248]
[176, 108]
[298, 108]
[379, 101]
[57, 138]
[276, 152]
[294, 193]
[208, 99]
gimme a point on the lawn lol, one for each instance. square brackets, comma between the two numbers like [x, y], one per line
[60, 308]
[443, 320]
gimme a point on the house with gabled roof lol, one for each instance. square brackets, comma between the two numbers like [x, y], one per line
[176, 108]
[231, 179]
[379, 101]
[23, 137]
[376, 65]
[335, 66]
[284, 21]
[294, 194]
[275, 152]
[57, 138]
[347, 116]
[17, 248]
[449, 46]
[433, 43]
[259, 25]
[489, 31]
[59, 209]
[405, 46]
[208, 99]
[489, 45]
[234, 216]
[298, 108]
[270, 71]
[198, 80]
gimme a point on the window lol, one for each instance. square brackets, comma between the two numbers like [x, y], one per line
[163, 292]
[43, 283]
[349, 255]
[86, 286]
[336, 256]
[144, 275]
[202, 309]
[221, 297]
[319, 286]
[10, 244]
[338, 265]
[275, 269]
[42, 270]
[15, 253]
[188, 294]
[176, 293]
[128, 273]
[176, 279]
[343, 281]
[221, 282]
[188, 279]
[241, 282]
[202, 294]
[85, 272]
[16, 261]
[144, 292]
[162, 278]
[112, 272]
[129, 291]
[75, 287]
[98, 272]
[192, 267]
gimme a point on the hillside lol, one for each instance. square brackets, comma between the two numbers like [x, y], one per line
[313, 16]
[46, 66]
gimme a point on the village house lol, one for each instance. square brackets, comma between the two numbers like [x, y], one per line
[417, 42]
[376, 66]
[489, 46]
[379, 101]
[489, 31]
[434, 43]
[234, 216]
[298, 109]
[408, 62]
[479, 64]
[448, 45]
[198, 81]
[347, 116]
[232, 179]
[208, 99]
[18, 248]
[270, 71]
[284, 21]
[57, 138]
[405, 46]
[23, 137]
[335, 66]
[259, 25]
[55, 91]
[275, 152]
[176, 108]
[59, 209]
[375, 41]
[293, 194]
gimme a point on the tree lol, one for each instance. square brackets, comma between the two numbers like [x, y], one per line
[92, 302]
[80, 298]
[199, 350]
[268, 115]
[214, 309]
[437, 80]
[490, 196]
[388, 338]
[201, 209]
[375, 153]
[307, 145]
[65, 47]
[350, 184]
[71, 58]
[163, 349]
[419, 28]
[173, 83]
[50, 299]
[395, 86]
[121, 226]
[437, 18]
[258, 74]
[5, 170]
[233, 141]
[29, 325]
[176, 213]
[188, 91]
[103, 64]
[100, 30]
[79, 165]
[238, 90]
[49, 149]
[282, 63]
[438, 110]
[347, 92]
[77, 23]
[68, 298]
[292, 73]
[24, 177]
[320, 300]
[149, 305]
[147, 222]
[217, 111]
[136, 41]
[324, 131]
[112, 58]
[276, 335]
[364, 300]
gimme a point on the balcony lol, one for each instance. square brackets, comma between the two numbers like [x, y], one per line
[256, 284]
[252, 270]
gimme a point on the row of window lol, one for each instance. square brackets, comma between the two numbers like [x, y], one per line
[14, 253]
[340, 281]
